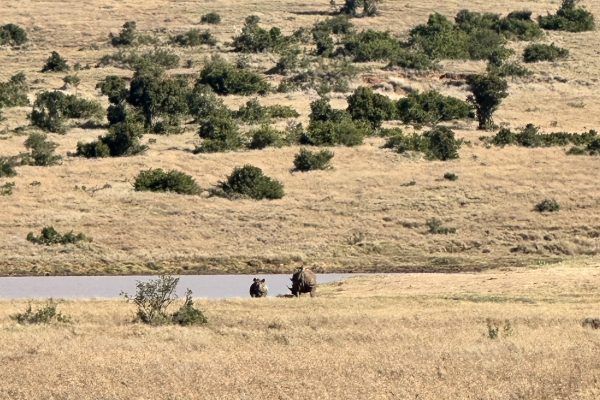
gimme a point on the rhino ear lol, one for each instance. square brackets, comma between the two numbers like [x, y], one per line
[254, 280]
[263, 281]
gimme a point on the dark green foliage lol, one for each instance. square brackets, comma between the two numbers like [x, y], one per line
[203, 102]
[52, 109]
[437, 144]
[6, 168]
[153, 61]
[371, 45]
[157, 180]
[115, 88]
[569, 18]
[450, 176]
[366, 105]
[194, 38]
[50, 236]
[254, 39]
[337, 25]
[503, 69]
[542, 52]
[412, 59]
[431, 107]
[351, 7]
[250, 182]
[225, 78]
[153, 299]
[321, 110]
[401, 143]
[252, 112]
[436, 227]
[13, 35]
[549, 205]
[324, 43]
[278, 111]
[14, 92]
[42, 151]
[211, 18]
[74, 80]
[126, 36]
[6, 189]
[55, 63]
[220, 133]
[530, 137]
[488, 91]
[518, 25]
[43, 315]
[308, 160]
[266, 136]
[331, 132]
[123, 139]
[288, 61]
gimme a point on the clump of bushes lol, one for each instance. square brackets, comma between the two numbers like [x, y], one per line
[55, 63]
[569, 18]
[412, 59]
[127, 35]
[436, 226]
[371, 45]
[6, 189]
[518, 25]
[337, 25]
[542, 52]
[13, 35]
[6, 168]
[437, 144]
[307, 160]
[14, 92]
[529, 136]
[194, 37]
[122, 139]
[449, 176]
[52, 109]
[249, 182]
[42, 151]
[344, 132]
[254, 39]
[366, 105]
[157, 180]
[487, 90]
[252, 112]
[50, 236]
[203, 102]
[431, 107]
[220, 133]
[547, 205]
[351, 7]
[211, 18]
[225, 78]
[266, 136]
[153, 299]
[501, 68]
[42, 315]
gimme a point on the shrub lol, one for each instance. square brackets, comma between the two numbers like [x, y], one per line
[449, 176]
[43, 315]
[250, 182]
[569, 18]
[157, 180]
[254, 39]
[288, 61]
[50, 236]
[278, 111]
[220, 133]
[194, 38]
[431, 107]
[366, 105]
[487, 94]
[518, 25]
[331, 132]
[74, 80]
[211, 18]
[437, 144]
[6, 189]
[549, 205]
[436, 227]
[55, 63]
[14, 92]
[542, 52]
[337, 25]
[202, 102]
[529, 136]
[308, 160]
[412, 59]
[123, 139]
[225, 78]
[153, 61]
[13, 35]
[153, 299]
[6, 168]
[42, 151]
[126, 36]
[371, 45]
[252, 112]
[51, 109]
[266, 136]
[504, 69]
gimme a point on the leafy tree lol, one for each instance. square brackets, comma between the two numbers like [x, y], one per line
[250, 182]
[52, 109]
[366, 105]
[431, 107]
[42, 151]
[542, 52]
[569, 18]
[55, 63]
[254, 39]
[13, 35]
[487, 94]
[371, 45]
[14, 92]
[126, 36]
[220, 133]
[225, 78]
[266, 136]
[194, 38]
[157, 180]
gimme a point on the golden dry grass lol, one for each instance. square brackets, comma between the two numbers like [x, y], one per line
[490, 205]
[408, 336]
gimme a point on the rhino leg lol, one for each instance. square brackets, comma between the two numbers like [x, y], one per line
[313, 291]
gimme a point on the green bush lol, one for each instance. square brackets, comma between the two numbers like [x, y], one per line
[337, 25]
[252, 112]
[504, 69]
[266, 136]
[254, 39]
[308, 160]
[437, 144]
[518, 25]
[52, 109]
[331, 132]
[542, 52]
[412, 59]
[6, 168]
[449, 176]
[220, 133]
[14, 92]
[149, 61]
[153, 299]
[569, 18]
[211, 18]
[371, 45]
[436, 227]
[55, 63]
[225, 78]
[126, 36]
[13, 35]
[42, 151]
[6, 189]
[123, 139]
[278, 111]
[530, 137]
[366, 105]
[50, 236]
[431, 107]
[487, 93]
[157, 180]
[250, 182]
[194, 37]
[43, 315]
[549, 205]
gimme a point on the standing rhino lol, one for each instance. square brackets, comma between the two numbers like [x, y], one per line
[259, 288]
[303, 281]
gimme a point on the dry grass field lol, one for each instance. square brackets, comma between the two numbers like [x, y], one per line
[410, 336]
[490, 205]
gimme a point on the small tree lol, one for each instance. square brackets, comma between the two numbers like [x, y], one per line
[55, 63]
[42, 151]
[308, 160]
[542, 52]
[488, 92]
[250, 182]
[366, 105]
[157, 180]
[6, 168]
[126, 36]
[14, 92]
[123, 139]
[13, 35]
[569, 18]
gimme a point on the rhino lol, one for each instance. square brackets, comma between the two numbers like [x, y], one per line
[303, 281]
[259, 288]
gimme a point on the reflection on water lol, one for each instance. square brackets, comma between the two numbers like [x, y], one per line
[207, 286]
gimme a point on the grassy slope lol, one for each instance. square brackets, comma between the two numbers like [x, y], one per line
[490, 204]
